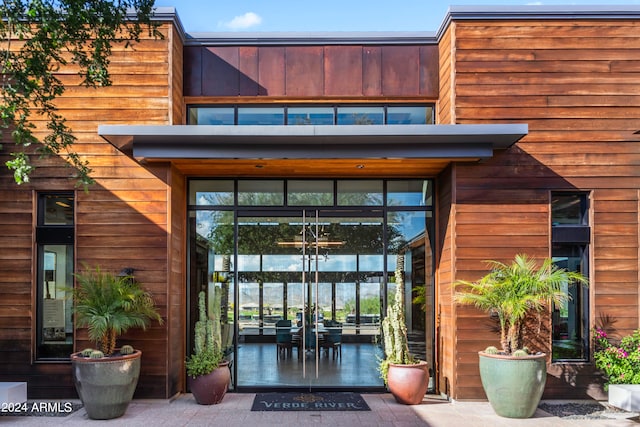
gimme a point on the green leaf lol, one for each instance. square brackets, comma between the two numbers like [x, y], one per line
[48, 31]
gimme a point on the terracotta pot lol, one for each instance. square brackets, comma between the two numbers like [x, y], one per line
[210, 389]
[513, 385]
[106, 386]
[408, 383]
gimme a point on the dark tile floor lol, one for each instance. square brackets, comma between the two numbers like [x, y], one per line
[258, 366]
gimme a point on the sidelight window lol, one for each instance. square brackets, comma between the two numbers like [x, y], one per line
[570, 250]
[54, 238]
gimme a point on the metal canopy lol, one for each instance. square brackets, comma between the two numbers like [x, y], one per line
[146, 142]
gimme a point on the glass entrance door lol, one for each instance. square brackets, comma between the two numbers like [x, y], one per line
[295, 261]
[310, 286]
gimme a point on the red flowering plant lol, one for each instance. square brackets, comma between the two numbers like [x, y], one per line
[619, 361]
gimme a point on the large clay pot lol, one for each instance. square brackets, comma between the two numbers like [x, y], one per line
[408, 383]
[106, 386]
[210, 389]
[513, 385]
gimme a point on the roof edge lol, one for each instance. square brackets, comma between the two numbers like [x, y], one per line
[471, 13]
[455, 13]
[296, 38]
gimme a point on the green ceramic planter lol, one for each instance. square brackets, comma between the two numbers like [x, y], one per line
[106, 386]
[513, 385]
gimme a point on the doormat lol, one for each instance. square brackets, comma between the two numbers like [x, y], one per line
[320, 401]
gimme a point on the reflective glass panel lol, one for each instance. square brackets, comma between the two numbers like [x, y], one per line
[211, 116]
[58, 210]
[568, 209]
[272, 306]
[310, 116]
[360, 193]
[260, 116]
[409, 193]
[404, 227]
[569, 319]
[346, 306]
[55, 333]
[409, 115]
[211, 193]
[309, 193]
[261, 193]
[360, 115]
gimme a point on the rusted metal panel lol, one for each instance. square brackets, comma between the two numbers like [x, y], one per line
[429, 70]
[271, 74]
[343, 70]
[371, 71]
[248, 71]
[220, 74]
[304, 71]
[400, 70]
[193, 71]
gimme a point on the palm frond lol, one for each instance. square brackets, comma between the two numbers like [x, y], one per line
[512, 291]
[109, 305]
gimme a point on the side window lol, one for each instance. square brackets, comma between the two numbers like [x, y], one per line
[55, 235]
[571, 235]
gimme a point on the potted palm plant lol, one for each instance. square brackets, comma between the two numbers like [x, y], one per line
[513, 378]
[208, 373]
[406, 377]
[108, 305]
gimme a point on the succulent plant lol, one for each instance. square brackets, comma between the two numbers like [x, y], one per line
[394, 328]
[126, 349]
[207, 341]
[491, 350]
[520, 353]
[96, 354]
[87, 352]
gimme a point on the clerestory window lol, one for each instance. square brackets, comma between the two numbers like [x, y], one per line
[300, 115]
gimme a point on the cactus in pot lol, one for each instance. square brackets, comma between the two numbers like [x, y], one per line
[207, 372]
[406, 377]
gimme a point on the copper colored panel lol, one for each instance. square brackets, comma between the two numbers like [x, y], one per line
[400, 70]
[429, 70]
[371, 71]
[304, 71]
[271, 71]
[192, 71]
[343, 70]
[220, 74]
[248, 71]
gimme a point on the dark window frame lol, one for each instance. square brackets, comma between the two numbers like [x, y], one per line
[54, 234]
[567, 237]
[335, 107]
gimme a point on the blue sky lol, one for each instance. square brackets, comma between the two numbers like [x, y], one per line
[333, 15]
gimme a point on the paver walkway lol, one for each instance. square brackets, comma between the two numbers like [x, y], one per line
[235, 410]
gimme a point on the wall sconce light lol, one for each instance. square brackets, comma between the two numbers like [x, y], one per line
[127, 272]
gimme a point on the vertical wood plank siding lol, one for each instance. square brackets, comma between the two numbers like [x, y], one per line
[122, 221]
[311, 71]
[576, 84]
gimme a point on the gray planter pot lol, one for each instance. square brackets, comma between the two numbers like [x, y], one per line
[513, 385]
[106, 386]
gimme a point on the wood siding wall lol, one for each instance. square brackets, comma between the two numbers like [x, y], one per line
[576, 84]
[312, 71]
[445, 194]
[122, 221]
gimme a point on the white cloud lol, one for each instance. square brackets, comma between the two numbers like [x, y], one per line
[242, 22]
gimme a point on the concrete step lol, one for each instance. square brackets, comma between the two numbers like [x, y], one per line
[13, 392]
